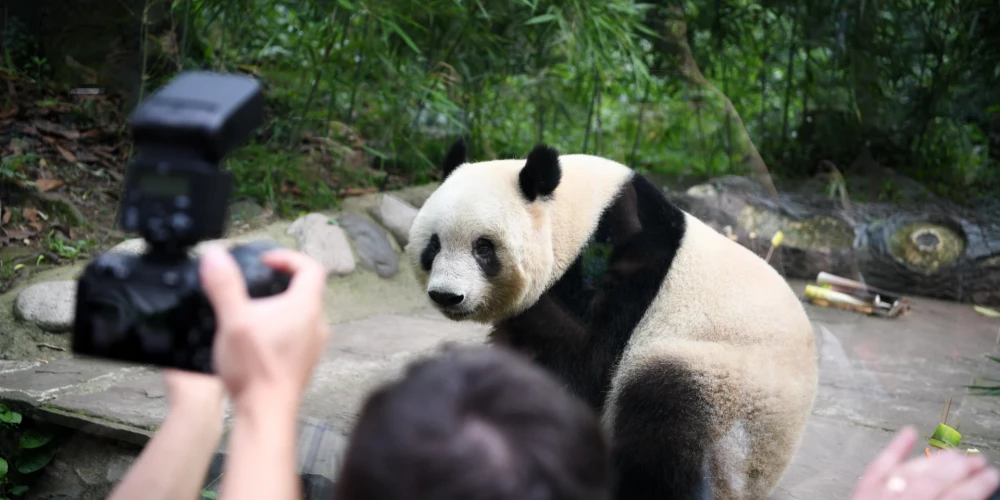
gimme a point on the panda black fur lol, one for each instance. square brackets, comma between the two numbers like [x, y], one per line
[696, 353]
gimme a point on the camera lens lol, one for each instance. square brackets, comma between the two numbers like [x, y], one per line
[110, 319]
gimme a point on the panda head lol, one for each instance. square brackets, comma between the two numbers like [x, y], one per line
[481, 244]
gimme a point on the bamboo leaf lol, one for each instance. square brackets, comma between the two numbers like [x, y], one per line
[544, 18]
[402, 34]
[985, 311]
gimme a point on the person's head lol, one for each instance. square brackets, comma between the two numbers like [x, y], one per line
[475, 423]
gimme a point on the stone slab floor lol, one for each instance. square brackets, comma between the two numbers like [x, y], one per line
[877, 375]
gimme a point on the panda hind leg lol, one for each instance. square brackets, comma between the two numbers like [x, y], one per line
[661, 435]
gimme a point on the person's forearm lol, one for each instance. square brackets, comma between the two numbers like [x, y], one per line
[173, 464]
[260, 461]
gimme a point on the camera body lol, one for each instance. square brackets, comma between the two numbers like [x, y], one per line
[151, 308]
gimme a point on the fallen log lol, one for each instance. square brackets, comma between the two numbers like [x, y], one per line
[938, 250]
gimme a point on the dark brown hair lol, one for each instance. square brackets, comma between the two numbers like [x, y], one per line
[475, 423]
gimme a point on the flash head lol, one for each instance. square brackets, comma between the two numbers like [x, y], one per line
[175, 192]
[206, 114]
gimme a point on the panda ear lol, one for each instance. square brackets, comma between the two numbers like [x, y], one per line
[456, 155]
[541, 173]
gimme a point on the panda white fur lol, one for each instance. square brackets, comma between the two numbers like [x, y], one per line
[696, 353]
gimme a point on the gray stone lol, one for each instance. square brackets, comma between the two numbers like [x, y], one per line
[85, 468]
[49, 305]
[417, 195]
[139, 401]
[830, 461]
[325, 242]
[876, 376]
[228, 243]
[364, 353]
[43, 381]
[396, 215]
[244, 210]
[371, 243]
[134, 246]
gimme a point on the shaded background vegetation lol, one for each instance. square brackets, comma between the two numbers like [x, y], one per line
[367, 94]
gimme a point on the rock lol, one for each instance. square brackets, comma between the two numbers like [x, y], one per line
[396, 215]
[244, 210]
[417, 195]
[134, 246]
[227, 243]
[49, 305]
[85, 468]
[325, 242]
[371, 243]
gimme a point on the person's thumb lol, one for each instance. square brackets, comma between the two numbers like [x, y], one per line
[223, 284]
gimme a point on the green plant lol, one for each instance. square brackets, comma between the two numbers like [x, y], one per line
[987, 390]
[67, 249]
[208, 494]
[40, 65]
[10, 167]
[18, 45]
[6, 273]
[28, 449]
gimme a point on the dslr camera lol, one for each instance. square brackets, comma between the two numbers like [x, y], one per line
[150, 308]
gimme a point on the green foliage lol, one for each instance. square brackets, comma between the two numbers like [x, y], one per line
[10, 167]
[29, 450]
[68, 249]
[810, 81]
[987, 390]
[18, 46]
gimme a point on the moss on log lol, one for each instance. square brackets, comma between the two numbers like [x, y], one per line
[938, 249]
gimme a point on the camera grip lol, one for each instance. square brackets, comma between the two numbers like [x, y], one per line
[142, 309]
[261, 280]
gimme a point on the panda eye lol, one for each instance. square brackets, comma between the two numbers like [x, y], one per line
[484, 248]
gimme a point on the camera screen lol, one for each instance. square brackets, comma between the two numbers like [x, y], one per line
[164, 185]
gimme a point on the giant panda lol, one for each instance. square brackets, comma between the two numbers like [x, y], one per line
[696, 354]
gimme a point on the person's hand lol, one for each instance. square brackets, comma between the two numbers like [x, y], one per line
[265, 349]
[949, 475]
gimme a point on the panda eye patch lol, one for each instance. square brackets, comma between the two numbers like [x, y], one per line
[486, 257]
[484, 248]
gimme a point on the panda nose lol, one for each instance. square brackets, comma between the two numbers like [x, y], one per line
[446, 299]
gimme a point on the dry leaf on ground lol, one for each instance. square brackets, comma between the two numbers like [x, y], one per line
[30, 214]
[66, 154]
[47, 185]
[10, 112]
[56, 129]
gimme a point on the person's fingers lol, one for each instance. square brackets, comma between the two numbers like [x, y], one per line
[871, 481]
[308, 275]
[223, 283]
[933, 476]
[978, 486]
[891, 456]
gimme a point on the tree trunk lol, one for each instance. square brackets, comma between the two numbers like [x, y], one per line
[937, 250]
[671, 26]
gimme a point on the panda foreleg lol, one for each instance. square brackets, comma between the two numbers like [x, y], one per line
[661, 435]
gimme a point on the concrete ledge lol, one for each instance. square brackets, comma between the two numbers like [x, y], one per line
[95, 426]
[876, 376]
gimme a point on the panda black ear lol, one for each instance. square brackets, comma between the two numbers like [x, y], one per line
[541, 173]
[456, 155]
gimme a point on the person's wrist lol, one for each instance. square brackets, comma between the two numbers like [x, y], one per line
[273, 400]
[205, 411]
